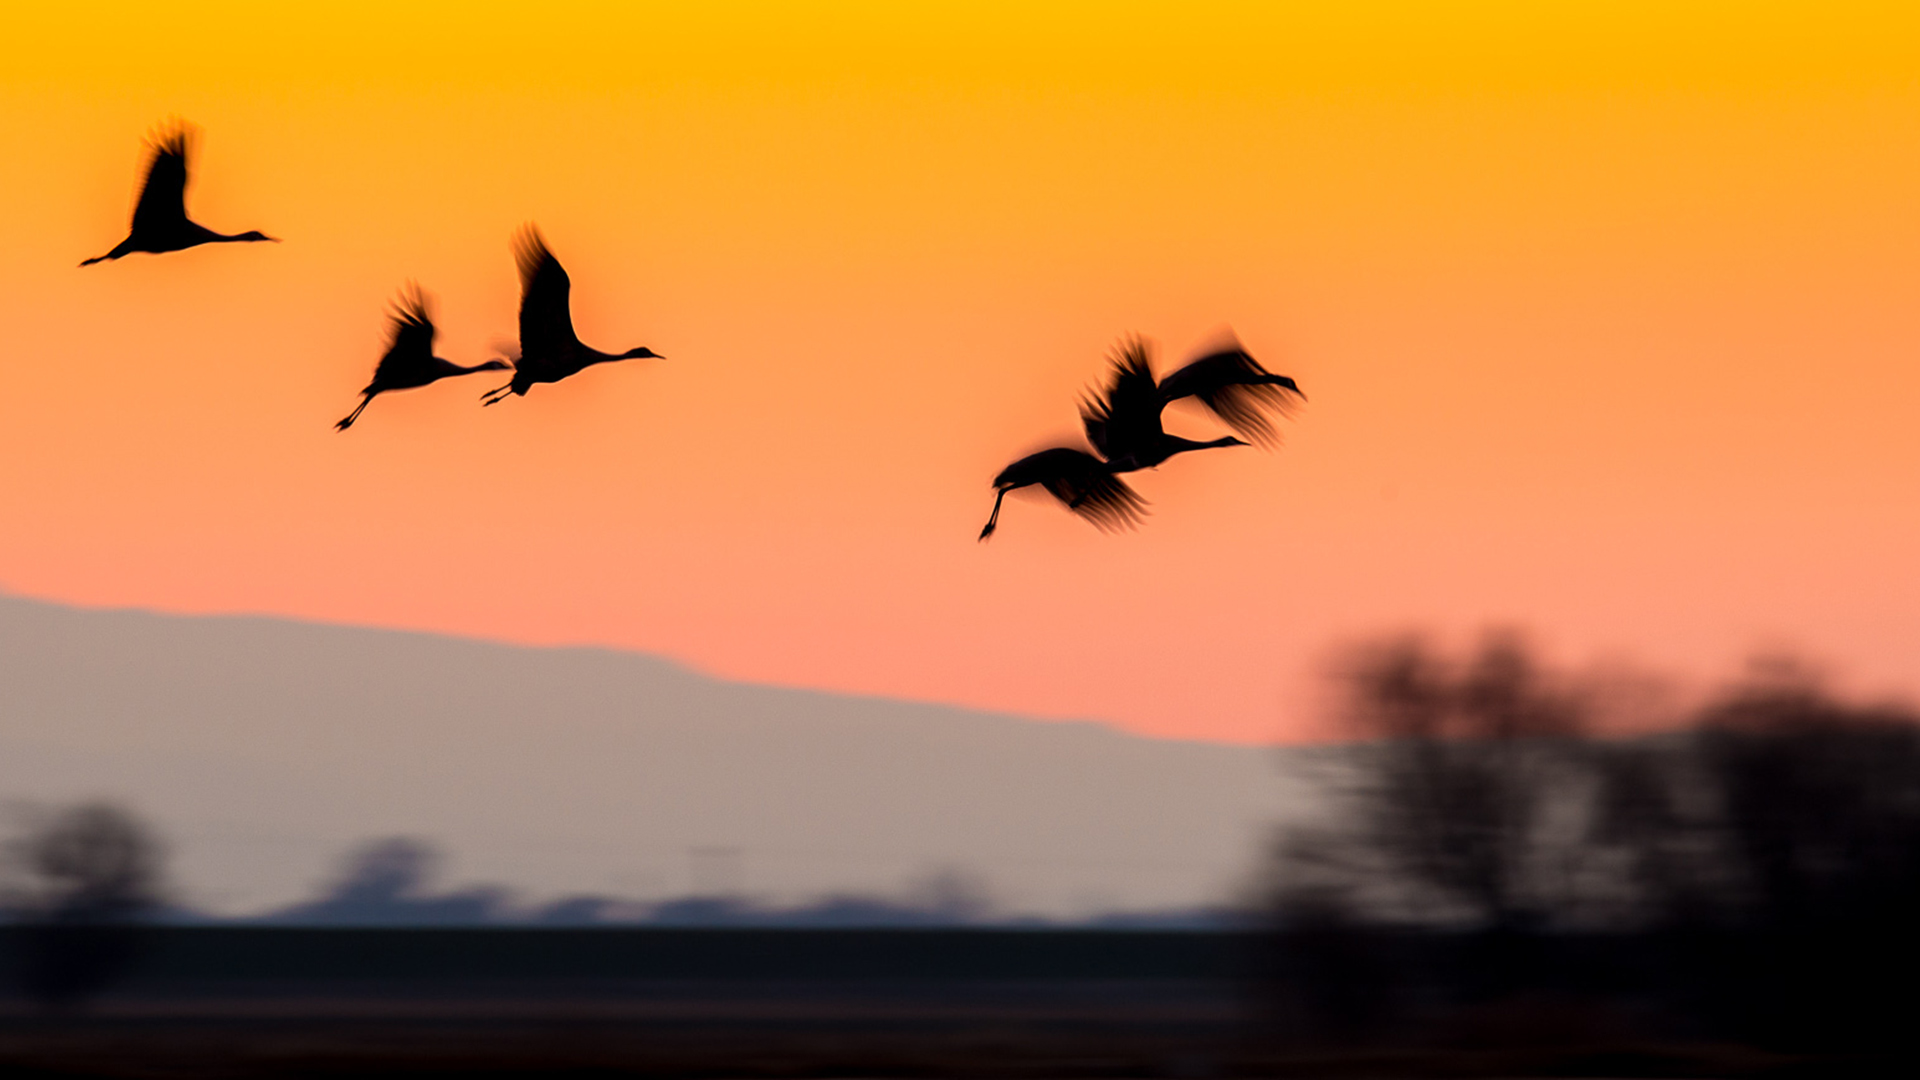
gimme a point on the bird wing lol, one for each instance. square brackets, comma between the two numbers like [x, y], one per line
[546, 319]
[409, 337]
[1125, 417]
[1091, 490]
[163, 197]
[1237, 389]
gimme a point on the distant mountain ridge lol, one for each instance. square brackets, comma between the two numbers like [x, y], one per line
[265, 749]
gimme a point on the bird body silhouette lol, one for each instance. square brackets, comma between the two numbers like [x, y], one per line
[549, 349]
[1083, 482]
[1236, 388]
[1123, 423]
[409, 361]
[160, 220]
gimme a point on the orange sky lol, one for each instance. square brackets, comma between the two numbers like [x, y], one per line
[1607, 318]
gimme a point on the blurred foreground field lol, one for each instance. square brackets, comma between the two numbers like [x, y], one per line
[280, 1001]
[250, 1001]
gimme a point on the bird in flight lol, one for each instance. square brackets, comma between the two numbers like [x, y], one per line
[1083, 482]
[549, 349]
[1234, 387]
[160, 217]
[409, 360]
[1123, 422]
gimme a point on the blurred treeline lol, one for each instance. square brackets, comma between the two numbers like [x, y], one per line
[80, 882]
[1494, 870]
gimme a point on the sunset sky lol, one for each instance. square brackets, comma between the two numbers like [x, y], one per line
[1609, 319]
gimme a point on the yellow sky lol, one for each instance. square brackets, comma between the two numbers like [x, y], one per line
[1605, 313]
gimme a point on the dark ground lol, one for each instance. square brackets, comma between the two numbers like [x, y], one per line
[258, 1002]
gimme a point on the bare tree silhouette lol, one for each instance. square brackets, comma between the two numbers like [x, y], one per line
[160, 221]
[1460, 780]
[1751, 876]
[83, 881]
[549, 349]
[409, 361]
[1815, 822]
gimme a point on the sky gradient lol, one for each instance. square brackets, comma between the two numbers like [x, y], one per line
[1607, 317]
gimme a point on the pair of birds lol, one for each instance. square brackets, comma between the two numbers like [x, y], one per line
[549, 349]
[1123, 424]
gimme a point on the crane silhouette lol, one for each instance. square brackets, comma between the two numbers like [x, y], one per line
[160, 217]
[1083, 482]
[1123, 423]
[549, 349]
[409, 360]
[1234, 387]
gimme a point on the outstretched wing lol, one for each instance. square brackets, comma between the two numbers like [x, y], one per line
[1236, 388]
[163, 198]
[1125, 418]
[1102, 498]
[1086, 485]
[409, 336]
[546, 321]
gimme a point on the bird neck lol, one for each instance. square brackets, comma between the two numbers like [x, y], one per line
[1177, 445]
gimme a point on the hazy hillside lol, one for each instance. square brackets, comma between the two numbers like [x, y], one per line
[265, 748]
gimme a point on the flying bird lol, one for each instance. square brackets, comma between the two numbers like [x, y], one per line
[1123, 422]
[160, 217]
[549, 349]
[409, 360]
[1234, 387]
[1083, 482]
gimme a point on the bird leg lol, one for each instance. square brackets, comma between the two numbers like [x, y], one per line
[496, 395]
[354, 415]
[995, 516]
[119, 249]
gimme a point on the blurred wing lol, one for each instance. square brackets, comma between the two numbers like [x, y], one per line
[1237, 389]
[546, 321]
[163, 198]
[1244, 408]
[1091, 491]
[1126, 417]
[410, 335]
